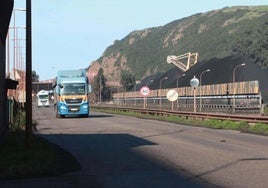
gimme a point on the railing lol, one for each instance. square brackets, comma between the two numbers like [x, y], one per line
[246, 104]
[220, 116]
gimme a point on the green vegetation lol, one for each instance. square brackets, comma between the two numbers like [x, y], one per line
[41, 159]
[218, 33]
[100, 87]
[261, 129]
[127, 80]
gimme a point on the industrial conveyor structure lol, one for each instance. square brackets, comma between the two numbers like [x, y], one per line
[176, 60]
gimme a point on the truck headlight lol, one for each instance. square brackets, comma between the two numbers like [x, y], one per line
[84, 106]
[63, 107]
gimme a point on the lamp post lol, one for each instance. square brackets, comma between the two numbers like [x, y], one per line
[194, 82]
[160, 101]
[15, 47]
[135, 87]
[15, 35]
[100, 90]
[240, 65]
[178, 79]
[19, 55]
[178, 86]
[200, 92]
[145, 98]
[8, 55]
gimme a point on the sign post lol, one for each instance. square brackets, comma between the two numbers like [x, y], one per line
[194, 82]
[172, 96]
[144, 91]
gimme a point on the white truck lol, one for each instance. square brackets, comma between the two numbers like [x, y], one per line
[42, 98]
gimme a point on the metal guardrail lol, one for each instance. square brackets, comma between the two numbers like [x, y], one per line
[257, 118]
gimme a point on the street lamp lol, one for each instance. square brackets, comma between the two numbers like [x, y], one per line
[200, 92]
[145, 98]
[15, 35]
[19, 55]
[178, 86]
[100, 90]
[15, 46]
[160, 102]
[240, 65]
[135, 86]
[194, 82]
[178, 79]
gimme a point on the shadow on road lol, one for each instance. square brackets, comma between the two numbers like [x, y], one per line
[117, 160]
[100, 116]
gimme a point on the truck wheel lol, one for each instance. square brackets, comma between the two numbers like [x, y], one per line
[57, 115]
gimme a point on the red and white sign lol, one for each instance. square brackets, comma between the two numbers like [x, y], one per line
[145, 91]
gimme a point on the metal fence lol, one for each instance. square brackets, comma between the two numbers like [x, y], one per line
[244, 97]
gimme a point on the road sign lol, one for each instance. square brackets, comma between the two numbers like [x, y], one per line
[172, 95]
[145, 91]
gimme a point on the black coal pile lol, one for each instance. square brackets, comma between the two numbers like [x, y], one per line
[221, 71]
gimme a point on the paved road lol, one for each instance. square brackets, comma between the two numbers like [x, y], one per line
[118, 151]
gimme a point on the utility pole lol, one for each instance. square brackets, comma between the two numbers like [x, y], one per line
[6, 7]
[28, 128]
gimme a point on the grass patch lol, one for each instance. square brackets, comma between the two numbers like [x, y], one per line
[219, 124]
[261, 129]
[41, 159]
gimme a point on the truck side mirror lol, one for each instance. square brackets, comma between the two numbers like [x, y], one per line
[57, 88]
[61, 86]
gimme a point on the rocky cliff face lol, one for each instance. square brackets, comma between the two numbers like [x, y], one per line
[215, 34]
[108, 63]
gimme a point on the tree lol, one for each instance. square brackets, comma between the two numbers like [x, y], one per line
[254, 44]
[99, 86]
[35, 77]
[127, 80]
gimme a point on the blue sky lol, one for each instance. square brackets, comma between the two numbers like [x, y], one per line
[70, 34]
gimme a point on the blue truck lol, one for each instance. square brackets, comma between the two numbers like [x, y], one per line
[71, 93]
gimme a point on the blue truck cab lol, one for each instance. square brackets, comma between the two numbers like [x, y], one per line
[71, 93]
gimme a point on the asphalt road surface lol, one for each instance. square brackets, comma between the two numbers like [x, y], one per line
[126, 152]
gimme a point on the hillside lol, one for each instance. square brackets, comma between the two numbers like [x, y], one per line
[214, 34]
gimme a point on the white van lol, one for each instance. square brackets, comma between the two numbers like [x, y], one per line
[42, 98]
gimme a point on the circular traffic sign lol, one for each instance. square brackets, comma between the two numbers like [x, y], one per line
[145, 91]
[172, 95]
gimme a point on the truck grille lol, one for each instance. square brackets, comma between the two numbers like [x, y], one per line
[74, 101]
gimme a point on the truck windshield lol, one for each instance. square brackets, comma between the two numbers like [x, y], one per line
[73, 89]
